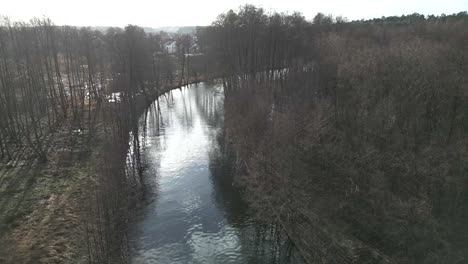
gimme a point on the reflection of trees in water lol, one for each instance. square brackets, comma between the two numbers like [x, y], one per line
[151, 138]
[186, 114]
[209, 103]
[262, 242]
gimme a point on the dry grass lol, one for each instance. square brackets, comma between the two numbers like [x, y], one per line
[42, 212]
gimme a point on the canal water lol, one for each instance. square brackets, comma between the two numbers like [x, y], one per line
[192, 212]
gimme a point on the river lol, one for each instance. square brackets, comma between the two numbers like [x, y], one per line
[192, 212]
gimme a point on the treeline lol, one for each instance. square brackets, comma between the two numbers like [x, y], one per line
[322, 19]
[361, 127]
[416, 18]
[50, 74]
[250, 41]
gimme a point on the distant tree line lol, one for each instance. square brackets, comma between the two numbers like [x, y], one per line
[416, 17]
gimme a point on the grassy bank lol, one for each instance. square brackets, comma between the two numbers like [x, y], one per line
[42, 203]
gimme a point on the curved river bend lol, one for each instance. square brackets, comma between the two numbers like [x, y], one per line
[192, 213]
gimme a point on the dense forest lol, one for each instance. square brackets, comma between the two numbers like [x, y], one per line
[352, 135]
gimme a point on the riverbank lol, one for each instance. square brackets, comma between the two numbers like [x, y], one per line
[47, 208]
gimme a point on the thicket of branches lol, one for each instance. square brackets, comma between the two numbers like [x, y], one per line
[362, 124]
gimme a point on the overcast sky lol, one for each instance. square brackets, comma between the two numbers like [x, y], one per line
[156, 13]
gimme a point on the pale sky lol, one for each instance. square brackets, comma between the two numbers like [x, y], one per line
[158, 13]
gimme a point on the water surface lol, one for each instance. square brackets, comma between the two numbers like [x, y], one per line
[192, 212]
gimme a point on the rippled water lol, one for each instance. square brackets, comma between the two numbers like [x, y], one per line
[192, 212]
